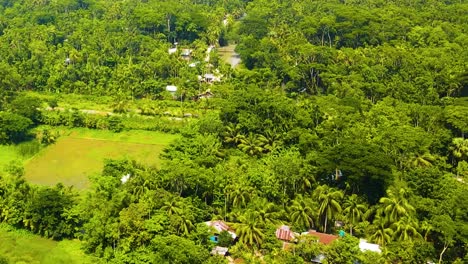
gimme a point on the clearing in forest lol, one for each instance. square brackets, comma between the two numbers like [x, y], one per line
[19, 246]
[73, 158]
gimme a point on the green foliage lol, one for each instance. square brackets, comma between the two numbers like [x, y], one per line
[177, 249]
[13, 127]
[341, 110]
[344, 250]
[115, 124]
[27, 106]
[224, 239]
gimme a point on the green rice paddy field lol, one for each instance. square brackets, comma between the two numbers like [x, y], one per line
[19, 246]
[81, 152]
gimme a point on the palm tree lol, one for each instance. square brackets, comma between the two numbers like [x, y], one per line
[459, 148]
[232, 135]
[239, 195]
[184, 225]
[251, 145]
[405, 229]
[381, 234]
[267, 211]
[329, 205]
[396, 205]
[425, 160]
[302, 212]
[270, 140]
[354, 211]
[249, 230]
[172, 207]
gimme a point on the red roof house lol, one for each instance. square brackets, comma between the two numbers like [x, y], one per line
[322, 237]
[221, 226]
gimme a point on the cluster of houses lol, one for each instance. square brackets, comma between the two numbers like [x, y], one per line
[186, 54]
[285, 234]
[172, 89]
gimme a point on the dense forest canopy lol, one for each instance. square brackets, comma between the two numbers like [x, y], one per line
[349, 112]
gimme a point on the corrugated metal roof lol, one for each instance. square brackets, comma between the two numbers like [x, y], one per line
[322, 237]
[284, 233]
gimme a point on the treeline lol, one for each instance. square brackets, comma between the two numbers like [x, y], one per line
[101, 47]
[411, 51]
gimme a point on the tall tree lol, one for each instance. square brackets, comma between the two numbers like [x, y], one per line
[303, 212]
[249, 229]
[396, 205]
[354, 211]
[329, 203]
[381, 234]
[406, 228]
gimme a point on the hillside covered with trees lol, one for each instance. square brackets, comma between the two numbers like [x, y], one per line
[342, 116]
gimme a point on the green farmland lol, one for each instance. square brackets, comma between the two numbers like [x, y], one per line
[23, 247]
[81, 153]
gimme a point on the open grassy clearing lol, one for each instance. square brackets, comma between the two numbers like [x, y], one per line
[81, 153]
[19, 246]
[131, 136]
[8, 153]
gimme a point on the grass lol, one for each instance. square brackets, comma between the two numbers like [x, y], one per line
[81, 153]
[19, 246]
[131, 136]
[8, 153]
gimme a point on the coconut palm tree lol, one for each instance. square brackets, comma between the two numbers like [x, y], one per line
[232, 135]
[329, 203]
[267, 211]
[249, 230]
[354, 211]
[302, 212]
[381, 234]
[251, 145]
[405, 229]
[184, 225]
[270, 140]
[239, 195]
[459, 148]
[425, 160]
[396, 205]
[173, 207]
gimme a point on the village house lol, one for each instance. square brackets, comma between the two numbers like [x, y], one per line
[322, 238]
[219, 226]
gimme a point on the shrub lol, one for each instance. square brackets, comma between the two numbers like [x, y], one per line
[3, 260]
[115, 124]
[225, 239]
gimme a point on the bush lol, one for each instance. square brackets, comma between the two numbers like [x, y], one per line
[46, 136]
[115, 124]
[3, 260]
[224, 239]
[13, 127]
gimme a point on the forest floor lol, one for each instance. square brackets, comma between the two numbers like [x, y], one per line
[19, 246]
[81, 153]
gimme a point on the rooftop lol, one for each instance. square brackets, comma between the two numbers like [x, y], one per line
[322, 237]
